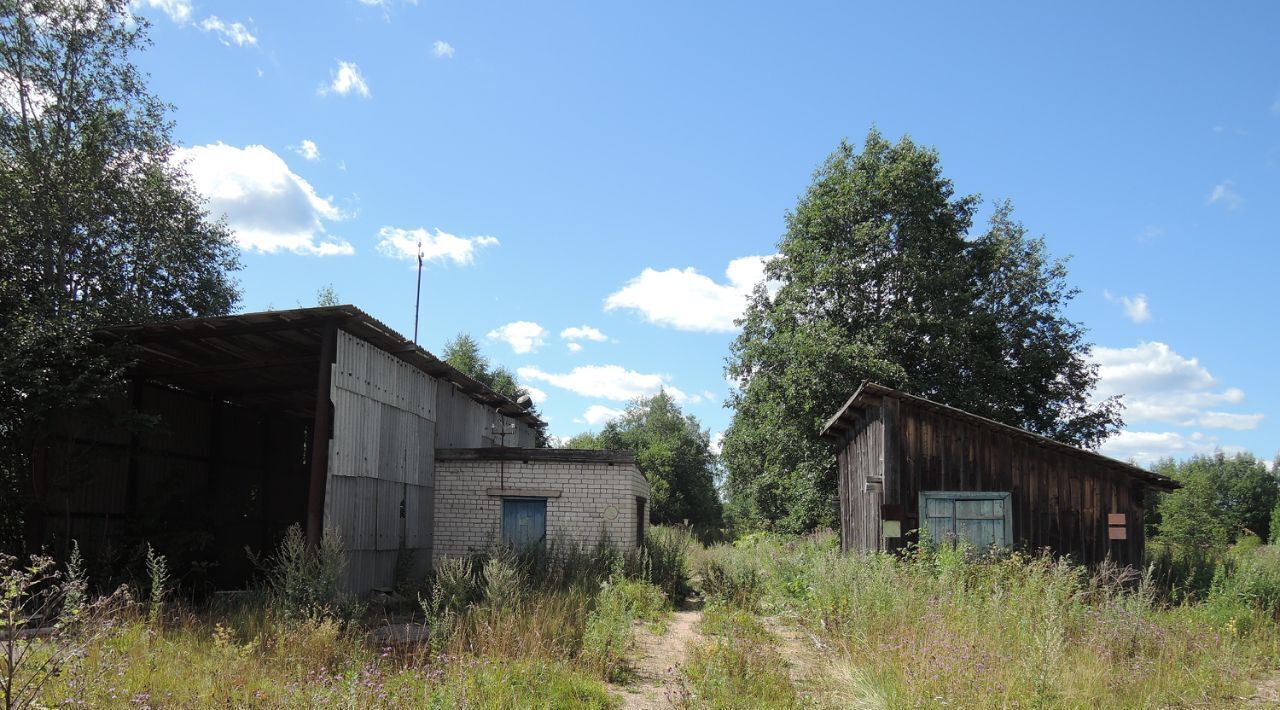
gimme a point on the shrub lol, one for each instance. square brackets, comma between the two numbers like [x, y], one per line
[607, 637]
[455, 584]
[46, 623]
[501, 581]
[305, 583]
[561, 564]
[643, 600]
[158, 573]
[730, 579]
[667, 550]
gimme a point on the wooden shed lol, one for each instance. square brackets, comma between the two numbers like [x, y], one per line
[907, 464]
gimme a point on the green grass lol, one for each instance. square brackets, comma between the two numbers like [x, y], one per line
[943, 628]
[520, 684]
[512, 641]
[738, 666]
[926, 630]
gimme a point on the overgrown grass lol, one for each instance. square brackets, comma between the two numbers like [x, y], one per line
[739, 666]
[1014, 630]
[929, 629]
[506, 632]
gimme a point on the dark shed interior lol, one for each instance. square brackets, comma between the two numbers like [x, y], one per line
[907, 464]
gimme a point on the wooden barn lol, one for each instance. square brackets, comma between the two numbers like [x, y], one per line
[236, 427]
[907, 464]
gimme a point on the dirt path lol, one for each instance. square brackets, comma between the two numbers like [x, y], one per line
[659, 658]
[807, 665]
[1268, 693]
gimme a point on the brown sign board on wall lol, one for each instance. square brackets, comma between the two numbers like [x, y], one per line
[1115, 533]
[1116, 519]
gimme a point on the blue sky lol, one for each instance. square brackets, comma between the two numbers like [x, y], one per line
[596, 183]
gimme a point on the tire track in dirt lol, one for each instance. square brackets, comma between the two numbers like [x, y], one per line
[659, 660]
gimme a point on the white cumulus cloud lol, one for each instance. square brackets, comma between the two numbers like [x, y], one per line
[404, 244]
[611, 382]
[1224, 193]
[267, 205]
[1229, 420]
[181, 13]
[229, 33]
[177, 10]
[442, 49]
[523, 336]
[308, 150]
[1135, 307]
[598, 414]
[574, 347]
[583, 332]
[1148, 447]
[1161, 386]
[687, 300]
[346, 80]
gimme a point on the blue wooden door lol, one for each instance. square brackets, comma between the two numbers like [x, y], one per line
[524, 522]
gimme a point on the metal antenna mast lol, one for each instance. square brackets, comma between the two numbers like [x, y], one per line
[417, 298]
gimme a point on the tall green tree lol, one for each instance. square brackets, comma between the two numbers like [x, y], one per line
[675, 453]
[97, 225]
[879, 277]
[463, 352]
[1221, 497]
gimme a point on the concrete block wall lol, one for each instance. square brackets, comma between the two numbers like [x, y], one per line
[469, 520]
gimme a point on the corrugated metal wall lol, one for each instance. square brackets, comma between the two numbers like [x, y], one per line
[381, 481]
[463, 423]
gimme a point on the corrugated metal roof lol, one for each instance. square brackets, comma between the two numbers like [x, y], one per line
[842, 420]
[208, 353]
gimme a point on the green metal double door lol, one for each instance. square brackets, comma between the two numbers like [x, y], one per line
[981, 520]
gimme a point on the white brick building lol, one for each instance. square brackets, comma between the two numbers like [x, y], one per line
[519, 496]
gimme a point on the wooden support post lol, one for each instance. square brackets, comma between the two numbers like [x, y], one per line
[321, 431]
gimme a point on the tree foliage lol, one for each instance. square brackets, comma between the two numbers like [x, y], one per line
[97, 225]
[1221, 497]
[327, 295]
[463, 352]
[675, 453]
[878, 277]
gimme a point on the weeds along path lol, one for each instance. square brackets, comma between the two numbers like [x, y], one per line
[1267, 694]
[807, 666]
[659, 660]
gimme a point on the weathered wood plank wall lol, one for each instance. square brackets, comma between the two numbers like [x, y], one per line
[1060, 501]
[861, 469]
